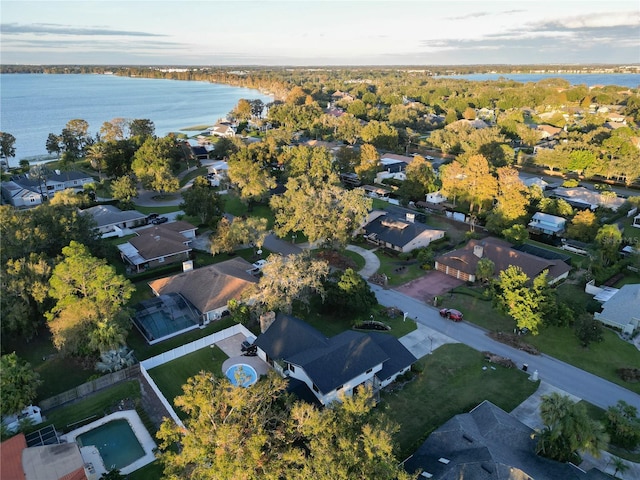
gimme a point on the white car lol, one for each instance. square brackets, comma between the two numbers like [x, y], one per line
[257, 267]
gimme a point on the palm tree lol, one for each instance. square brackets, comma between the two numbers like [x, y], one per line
[619, 465]
[568, 429]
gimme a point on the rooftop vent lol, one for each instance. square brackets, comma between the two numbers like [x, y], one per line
[467, 438]
[394, 224]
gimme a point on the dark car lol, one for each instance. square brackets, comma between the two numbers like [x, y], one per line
[451, 314]
[151, 216]
[159, 220]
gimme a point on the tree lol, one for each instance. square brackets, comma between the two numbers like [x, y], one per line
[608, 240]
[452, 177]
[223, 240]
[479, 185]
[53, 144]
[380, 134]
[74, 137]
[369, 163]
[348, 129]
[623, 425]
[96, 155]
[19, 384]
[230, 432]
[316, 163]
[242, 110]
[518, 300]
[142, 128]
[124, 189]
[7, 146]
[421, 179]
[203, 202]
[250, 174]
[112, 474]
[114, 130]
[349, 293]
[89, 314]
[337, 212]
[485, 269]
[152, 164]
[568, 429]
[583, 226]
[511, 201]
[288, 279]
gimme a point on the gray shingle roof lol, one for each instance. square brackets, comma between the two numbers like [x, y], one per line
[486, 444]
[623, 306]
[108, 215]
[394, 231]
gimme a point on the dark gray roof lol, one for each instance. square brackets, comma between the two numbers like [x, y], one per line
[288, 336]
[399, 357]
[108, 215]
[331, 362]
[347, 355]
[394, 231]
[486, 444]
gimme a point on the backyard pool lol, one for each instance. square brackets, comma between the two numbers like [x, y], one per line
[116, 442]
[242, 375]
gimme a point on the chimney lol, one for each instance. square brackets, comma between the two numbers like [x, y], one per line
[266, 319]
[410, 217]
[478, 250]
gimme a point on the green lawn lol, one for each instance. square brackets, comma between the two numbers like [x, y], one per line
[601, 359]
[234, 206]
[389, 265]
[96, 405]
[171, 376]
[452, 382]
[153, 470]
[198, 172]
[359, 259]
[157, 209]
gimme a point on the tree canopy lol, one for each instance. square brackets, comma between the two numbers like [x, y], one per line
[18, 384]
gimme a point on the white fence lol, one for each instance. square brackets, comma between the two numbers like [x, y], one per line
[181, 351]
[203, 342]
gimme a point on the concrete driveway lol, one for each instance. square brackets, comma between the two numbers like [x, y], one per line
[424, 340]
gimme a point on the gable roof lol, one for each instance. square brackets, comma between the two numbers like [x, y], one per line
[396, 232]
[209, 288]
[399, 357]
[502, 255]
[288, 336]
[178, 226]
[486, 444]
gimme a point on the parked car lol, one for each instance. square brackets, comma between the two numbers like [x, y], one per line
[159, 220]
[248, 344]
[151, 216]
[451, 314]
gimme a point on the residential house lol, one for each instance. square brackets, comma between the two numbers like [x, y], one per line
[158, 245]
[209, 288]
[339, 95]
[336, 366]
[547, 224]
[113, 222]
[622, 310]
[45, 462]
[636, 221]
[476, 124]
[399, 235]
[580, 197]
[223, 129]
[20, 197]
[462, 263]
[199, 152]
[488, 444]
[548, 132]
[529, 182]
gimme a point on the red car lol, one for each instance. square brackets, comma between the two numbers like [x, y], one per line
[451, 314]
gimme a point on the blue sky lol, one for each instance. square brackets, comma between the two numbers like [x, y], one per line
[310, 32]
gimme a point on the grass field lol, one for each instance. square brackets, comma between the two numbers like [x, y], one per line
[452, 382]
[171, 376]
[389, 265]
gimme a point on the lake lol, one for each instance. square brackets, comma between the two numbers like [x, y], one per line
[631, 80]
[34, 105]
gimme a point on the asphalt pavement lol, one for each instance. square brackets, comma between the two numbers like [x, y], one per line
[572, 380]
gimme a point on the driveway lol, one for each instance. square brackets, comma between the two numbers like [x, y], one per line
[431, 285]
[372, 262]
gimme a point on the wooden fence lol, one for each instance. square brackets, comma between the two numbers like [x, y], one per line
[88, 388]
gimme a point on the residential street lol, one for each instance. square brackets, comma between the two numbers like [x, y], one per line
[573, 380]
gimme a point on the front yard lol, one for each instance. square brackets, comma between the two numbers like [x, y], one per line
[452, 381]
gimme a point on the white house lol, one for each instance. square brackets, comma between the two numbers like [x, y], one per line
[223, 129]
[547, 224]
[113, 222]
[581, 197]
[622, 310]
[436, 197]
[332, 367]
[19, 196]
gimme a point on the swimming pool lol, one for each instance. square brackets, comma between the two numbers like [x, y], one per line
[116, 442]
[242, 375]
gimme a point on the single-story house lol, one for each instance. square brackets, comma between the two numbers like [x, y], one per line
[622, 310]
[55, 462]
[394, 163]
[336, 366]
[462, 263]
[113, 222]
[488, 444]
[399, 235]
[19, 196]
[199, 152]
[376, 191]
[209, 288]
[548, 131]
[529, 182]
[547, 224]
[581, 197]
[158, 245]
[436, 197]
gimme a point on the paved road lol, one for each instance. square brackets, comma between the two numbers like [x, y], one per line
[573, 380]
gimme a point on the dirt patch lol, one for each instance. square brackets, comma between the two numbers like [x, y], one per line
[336, 260]
[430, 285]
[514, 341]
